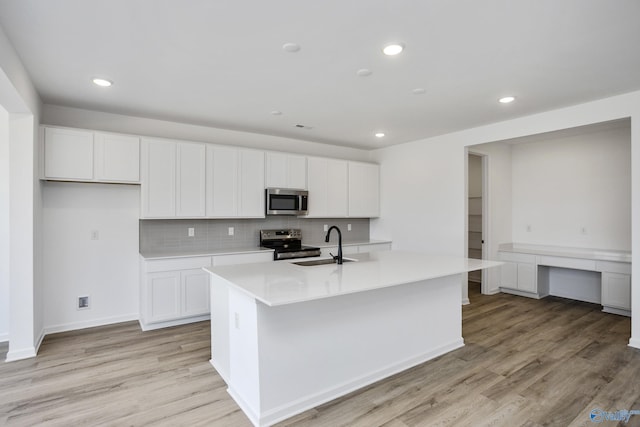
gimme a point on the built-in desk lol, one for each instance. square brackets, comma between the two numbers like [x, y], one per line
[526, 272]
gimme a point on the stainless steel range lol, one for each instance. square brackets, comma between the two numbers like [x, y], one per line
[287, 244]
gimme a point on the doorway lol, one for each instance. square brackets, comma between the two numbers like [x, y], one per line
[476, 219]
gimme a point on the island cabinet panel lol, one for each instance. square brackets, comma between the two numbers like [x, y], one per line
[364, 190]
[158, 190]
[327, 180]
[68, 154]
[285, 171]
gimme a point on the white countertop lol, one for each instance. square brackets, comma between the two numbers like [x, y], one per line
[281, 282]
[179, 253]
[561, 251]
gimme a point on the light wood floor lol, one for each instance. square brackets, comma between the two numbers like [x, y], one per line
[525, 363]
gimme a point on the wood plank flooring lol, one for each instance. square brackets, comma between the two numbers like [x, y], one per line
[526, 363]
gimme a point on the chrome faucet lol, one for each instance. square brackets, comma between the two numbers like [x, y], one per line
[338, 258]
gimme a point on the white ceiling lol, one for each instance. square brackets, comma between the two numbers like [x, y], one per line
[220, 63]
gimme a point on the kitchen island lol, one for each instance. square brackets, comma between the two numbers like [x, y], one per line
[286, 338]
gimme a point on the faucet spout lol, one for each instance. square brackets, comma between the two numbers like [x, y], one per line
[338, 258]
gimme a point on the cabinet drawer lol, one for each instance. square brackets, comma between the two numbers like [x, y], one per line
[613, 267]
[575, 263]
[514, 257]
[177, 264]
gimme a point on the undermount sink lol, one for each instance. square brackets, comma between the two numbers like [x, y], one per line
[321, 262]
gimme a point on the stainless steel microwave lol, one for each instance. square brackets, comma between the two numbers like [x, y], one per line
[284, 201]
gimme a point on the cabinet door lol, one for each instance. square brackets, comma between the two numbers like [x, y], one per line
[509, 275]
[68, 154]
[251, 186]
[158, 187]
[364, 189]
[276, 170]
[527, 277]
[286, 171]
[338, 192]
[222, 182]
[117, 158]
[318, 186]
[195, 292]
[616, 290]
[297, 172]
[190, 184]
[163, 296]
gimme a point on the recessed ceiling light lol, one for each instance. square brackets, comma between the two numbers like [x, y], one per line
[364, 72]
[291, 47]
[419, 91]
[379, 134]
[393, 49]
[102, 82]
[507, 99]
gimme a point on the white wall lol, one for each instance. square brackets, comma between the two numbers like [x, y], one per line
[4, 225]
[561, 186]
[75, 265]
[87, 119]
[422, 187]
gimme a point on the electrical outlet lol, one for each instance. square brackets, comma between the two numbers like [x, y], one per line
[348, 227]
[95, 235]
[326, 227]
[192, 231]
[231, 231]
[83, 302]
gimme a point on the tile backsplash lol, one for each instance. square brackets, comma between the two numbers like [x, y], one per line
[213, 234]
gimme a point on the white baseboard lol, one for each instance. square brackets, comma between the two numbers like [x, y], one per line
[493, 291]
[634, 342]
[23, 353]
[4, 337]
[304, 403]
[90, 323]
[465, 301]
[169, 323]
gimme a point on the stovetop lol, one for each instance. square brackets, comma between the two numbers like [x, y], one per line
[287, 244]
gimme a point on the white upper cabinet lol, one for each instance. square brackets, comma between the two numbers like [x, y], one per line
[235, 183]
[327, 181]
[86, 156]
[286, 171]
[190, 179]
[68, 154]
[252, 197]
[364, 190]
[222, 181]
[158, 178]
[117, 158]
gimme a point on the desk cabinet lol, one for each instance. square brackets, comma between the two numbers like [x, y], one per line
[616, 291]
[519, 273]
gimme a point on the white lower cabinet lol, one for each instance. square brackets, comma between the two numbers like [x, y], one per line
[173, 291]
[616, 290]
[518, 273]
